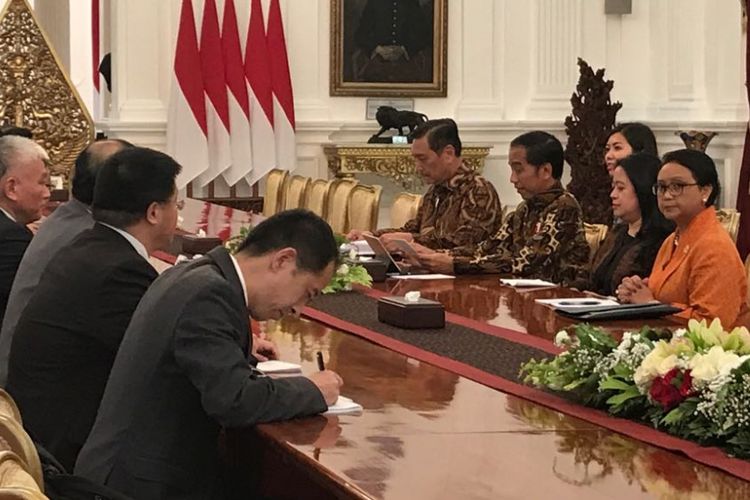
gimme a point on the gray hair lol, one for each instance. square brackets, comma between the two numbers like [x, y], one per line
[14, 148]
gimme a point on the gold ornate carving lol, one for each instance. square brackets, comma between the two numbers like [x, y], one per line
[392, 161]
[35, 91]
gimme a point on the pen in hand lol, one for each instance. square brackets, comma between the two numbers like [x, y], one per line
[321, 364]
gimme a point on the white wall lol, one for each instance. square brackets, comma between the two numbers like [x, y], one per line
[676, 64]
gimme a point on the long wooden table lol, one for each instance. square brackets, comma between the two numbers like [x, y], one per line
[427, 433]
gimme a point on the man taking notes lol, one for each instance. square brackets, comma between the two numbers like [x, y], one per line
[182, 372]
[543, 238]
[460, 209]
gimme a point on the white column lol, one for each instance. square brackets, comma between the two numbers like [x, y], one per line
[142, 47]
[481, 63]
[556, 48]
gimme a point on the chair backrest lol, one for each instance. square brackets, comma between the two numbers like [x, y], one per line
[15, 480]
[273, 198]
[338, 204]
[595, 234]
[317, 197]
[404, 208]
[14, 438]
[8, 407]
[730, 219]
[747, 273]
[364, 207]
[296, 192]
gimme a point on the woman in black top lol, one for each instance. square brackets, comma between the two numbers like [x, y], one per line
[632, 244]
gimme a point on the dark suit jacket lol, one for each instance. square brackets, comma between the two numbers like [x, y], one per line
[14, 238]
[57, 231]
[181, 374]
[68, 336]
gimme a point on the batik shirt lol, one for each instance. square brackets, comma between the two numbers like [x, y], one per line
[455, 215]
[544, 238]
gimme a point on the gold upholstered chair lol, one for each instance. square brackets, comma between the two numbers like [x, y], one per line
[296, 192]
[8, 407]
[730, 219]
[273, 199]
[15, 481]
[338, 204]
[595, 234]
[364, 207]
[316, 200]
[15, 439]
[404, 208]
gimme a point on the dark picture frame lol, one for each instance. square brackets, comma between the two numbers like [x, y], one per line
[389, 48]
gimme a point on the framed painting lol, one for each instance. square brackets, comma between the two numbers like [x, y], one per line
[389, 48]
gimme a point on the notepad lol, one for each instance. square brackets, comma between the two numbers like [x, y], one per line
[578, 302]
[423, 277]
[344, 406]
[275, 366]
[526, 283]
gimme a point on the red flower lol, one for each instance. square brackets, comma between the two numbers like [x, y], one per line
[671, 389]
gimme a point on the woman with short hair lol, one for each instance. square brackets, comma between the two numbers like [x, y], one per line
[698, 267]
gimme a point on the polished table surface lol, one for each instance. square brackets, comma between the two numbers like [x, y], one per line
[427, 433]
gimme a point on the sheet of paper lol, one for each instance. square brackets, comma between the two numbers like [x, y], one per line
[362, 247]
[523, 283]
[276, 366]
[424, 277]
[344, 406]
[578, 302]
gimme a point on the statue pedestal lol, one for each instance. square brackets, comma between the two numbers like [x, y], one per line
[393, 161]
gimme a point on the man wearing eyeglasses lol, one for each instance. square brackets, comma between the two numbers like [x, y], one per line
[69, 333]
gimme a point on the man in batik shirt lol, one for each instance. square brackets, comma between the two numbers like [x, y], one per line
[544, 238]
[460, 209]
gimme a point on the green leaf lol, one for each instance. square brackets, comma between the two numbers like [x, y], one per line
[615, 384]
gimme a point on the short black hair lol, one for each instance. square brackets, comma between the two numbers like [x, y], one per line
[129, 182]
[702, 167]
[542, 147]
[440, 133]
[640, 137]
[300, 229]
[86, 166]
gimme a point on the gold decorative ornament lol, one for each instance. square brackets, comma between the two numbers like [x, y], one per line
[392, 161]
[35, 91]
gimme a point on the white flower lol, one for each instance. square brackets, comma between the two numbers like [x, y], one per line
[657, 363]
[680, 332]
[343, 270]
[562, 338]
[715, 363]
[353, 253]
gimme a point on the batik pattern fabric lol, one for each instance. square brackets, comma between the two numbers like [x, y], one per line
[455, 215]
[543, 238]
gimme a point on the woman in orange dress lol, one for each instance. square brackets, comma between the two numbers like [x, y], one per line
[698, 267]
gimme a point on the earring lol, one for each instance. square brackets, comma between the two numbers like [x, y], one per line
[705, 200]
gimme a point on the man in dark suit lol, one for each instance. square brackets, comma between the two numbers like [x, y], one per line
[24, 192]
[182, 371]
[69, 333]
[57, 231]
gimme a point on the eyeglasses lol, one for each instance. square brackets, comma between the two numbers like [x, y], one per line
[675, 188]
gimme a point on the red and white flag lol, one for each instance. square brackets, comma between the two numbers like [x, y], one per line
[258, 74]
[217, 106]
[239, 107]
[283, 97]
[187, 129]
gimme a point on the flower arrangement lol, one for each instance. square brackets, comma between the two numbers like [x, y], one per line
[694, 383]
[347, 273]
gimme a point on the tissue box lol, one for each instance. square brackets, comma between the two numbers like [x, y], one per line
[193, 244]
[423, 313]
[376, 268]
